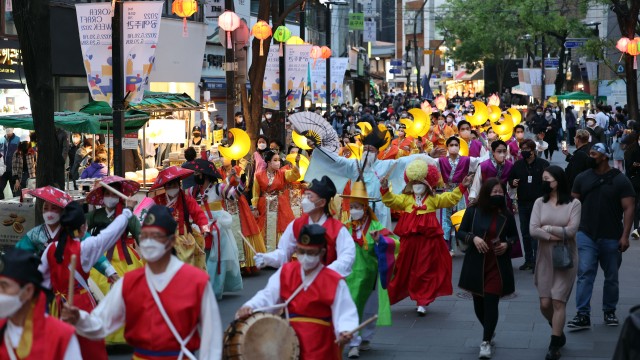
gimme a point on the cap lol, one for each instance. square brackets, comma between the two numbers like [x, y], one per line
[72, 216]
[323, 188]
[312, 235]
[591, 117]
[195, 129]
[601, 148]
[160, 216]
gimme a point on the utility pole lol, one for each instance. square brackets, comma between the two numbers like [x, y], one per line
[283, 86]
[328, 63]
[118, 89]
[303, 24]
[230, 66]
[542, 77]
[415, 43]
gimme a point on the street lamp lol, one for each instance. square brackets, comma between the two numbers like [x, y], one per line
[328, 40]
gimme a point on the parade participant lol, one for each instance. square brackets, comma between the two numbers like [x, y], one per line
[391, 152]
[488, 229]
[27, 331]
[475, 146]
[167, 308]
[223, 265]
[190, 243]
[369, 294]
[440, 133]
[514, 143]
[56, 261]
[453, 168]
[451, 122]
[315, 205]
[37, 239]
[423, 267]
[496, 166]
[242, 218]
[271, 199]
[323, 311]
[405, 144]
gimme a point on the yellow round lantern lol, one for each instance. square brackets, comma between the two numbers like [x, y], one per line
[464, 147]
[184, 9]
[481, 114]
[303, 165]
[409, 124]
[494, 113]
[262, 31]
[295, 40]
[300, 140]
[503, 128]
[239, 148]
[421, 123]
[516, 116]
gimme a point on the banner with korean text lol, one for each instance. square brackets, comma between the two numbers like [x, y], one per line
[297, 67]
[271, 83]
[319, 81]
[338, 68]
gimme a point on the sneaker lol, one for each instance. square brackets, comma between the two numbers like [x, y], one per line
[452, 253]
[635, 235]
[486, 350]
[610, 318]
[421, 311]
[354, 353]
[526, 266]
[365, 345]
[580, 322]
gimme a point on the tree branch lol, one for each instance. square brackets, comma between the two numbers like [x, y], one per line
[286, 12]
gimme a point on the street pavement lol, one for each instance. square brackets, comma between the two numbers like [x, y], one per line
[450, 329]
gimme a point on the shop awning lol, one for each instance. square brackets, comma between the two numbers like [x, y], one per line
[461, 75]
[9, 84]
[79, 122]
[576, 95]
[477, 74]
[165, 102]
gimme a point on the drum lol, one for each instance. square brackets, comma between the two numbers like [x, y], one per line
[261, 336]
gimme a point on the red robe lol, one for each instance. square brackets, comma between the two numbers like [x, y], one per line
[91, 349]
[389, 153]
[50, 337]
[196, 215]
[145, 328]
[310, 311]
[278, 186]
[332, 227]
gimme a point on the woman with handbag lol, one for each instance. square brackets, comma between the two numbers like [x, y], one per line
[488, 230]
[554, 222]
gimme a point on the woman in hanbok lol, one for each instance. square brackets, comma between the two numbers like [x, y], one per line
[423, 267]
[222, 261]
[271, 200]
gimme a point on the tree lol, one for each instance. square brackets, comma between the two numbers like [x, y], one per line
[627, 12]
[33, 25]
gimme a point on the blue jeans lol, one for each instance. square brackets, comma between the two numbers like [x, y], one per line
[590, 253]
[530, 245]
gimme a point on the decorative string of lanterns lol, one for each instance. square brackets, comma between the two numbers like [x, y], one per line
[184, 9]
[631, 47]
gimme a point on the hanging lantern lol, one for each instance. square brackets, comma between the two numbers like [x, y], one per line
[326, 52]
[494, 100]
[441, 102]
[316, 53]
[184, 9]
[295, 40]
[281, 35]
[622, 44]
[632, 49]
[229, 21]
[262, 31]
[426, 107]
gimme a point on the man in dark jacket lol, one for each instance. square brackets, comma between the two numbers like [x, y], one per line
[538, 122]
[8, 146]
[526, 177]
[579, 160]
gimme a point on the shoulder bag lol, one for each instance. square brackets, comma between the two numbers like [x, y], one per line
[561, 254]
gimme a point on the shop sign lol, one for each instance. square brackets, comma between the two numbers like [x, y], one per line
[356, 21]
[129, 141]
[11, 64]
[17, 218]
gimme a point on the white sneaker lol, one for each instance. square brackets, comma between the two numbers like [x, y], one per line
[421, 311]
[486, 350]
[635, 235]
[365, 345]
[354, 353]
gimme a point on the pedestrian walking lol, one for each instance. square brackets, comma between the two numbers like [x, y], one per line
[8, 146]
[554, 221]
[579, 160]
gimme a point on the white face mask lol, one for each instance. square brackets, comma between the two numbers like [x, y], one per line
[262, 146]
[268, 116]
[173, 191]
[419, 189]
[465, 134]
[307, 205]
[357, 214]
[111, 202]
[309, 262]
[9, 305]
[152, 250]
[51, 217]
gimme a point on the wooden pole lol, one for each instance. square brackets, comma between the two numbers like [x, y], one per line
[72, 280]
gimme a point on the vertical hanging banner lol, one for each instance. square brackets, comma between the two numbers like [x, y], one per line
[271, 83]
[141, 27]
[297, 64]
[338, 68]
[140, 36]
[319, 81]
[369, 33]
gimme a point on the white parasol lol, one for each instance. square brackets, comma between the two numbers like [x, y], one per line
[317, 129]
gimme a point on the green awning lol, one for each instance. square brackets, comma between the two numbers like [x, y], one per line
[576, 95]
[70, 121]
[133, 119]
[165, 102]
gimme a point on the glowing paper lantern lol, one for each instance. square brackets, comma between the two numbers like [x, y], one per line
[356, 151]
[464, 147]
[426, 107]
[387, 136]
[456, 218]
[481, 114]
[632, 47]
[494, 113]
[409, 124]
[239, 148]
[295, 40]
[262, 31]
[622, 44]
[303, 165]
[184, 9]
[441, 102]
[229, 21]
[281, 35]
[421, 123]
[494, 100]
[315, 54]
[516, 116]
[300, 140]
[325, 52]
[504, 128]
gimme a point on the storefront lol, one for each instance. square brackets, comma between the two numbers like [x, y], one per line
[13, 97]
[465, 84]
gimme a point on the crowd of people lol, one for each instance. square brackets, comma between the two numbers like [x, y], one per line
[150, 274]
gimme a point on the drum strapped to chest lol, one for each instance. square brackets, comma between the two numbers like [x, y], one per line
[261, 336]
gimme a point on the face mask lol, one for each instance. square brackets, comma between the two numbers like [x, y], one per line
[465, 133]
[239, 120]
[357, 214]
[546, 187]
[519, 135]
[548, 114]
[9, 305]
[525, 154]
[307, 205]
[419, 189]
[262, 146]
[76, 140]
[110, 202]
[268, 116]
[152, 250]
[51, 217]
[173, 191]
[497, 200]
[590, 123]
[454, 150]
[275, 165]
[309, 262]
[499, 157]
[539, 113]
[440, 122]
[199, 180]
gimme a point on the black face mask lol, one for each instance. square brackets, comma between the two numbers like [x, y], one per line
[199, 180]
[497, 200]
[546, 187]
[525, 154]
[592, 163]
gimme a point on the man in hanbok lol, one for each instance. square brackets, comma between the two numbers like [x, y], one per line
[322, 310]
[515, 141]
[496, 166]
[167, 308]
[476, 149]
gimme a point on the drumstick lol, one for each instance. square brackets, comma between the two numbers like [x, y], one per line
[361, 326]
[247, 243]
[116, 192]
[72, 280]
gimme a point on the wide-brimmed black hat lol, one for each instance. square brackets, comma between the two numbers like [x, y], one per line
[323, 188]
[21, 266]
[205, 167]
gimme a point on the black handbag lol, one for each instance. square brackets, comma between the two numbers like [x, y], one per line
[561, 254]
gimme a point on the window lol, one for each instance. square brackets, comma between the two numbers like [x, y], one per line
[8, 25]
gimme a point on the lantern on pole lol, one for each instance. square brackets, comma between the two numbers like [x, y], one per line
[634, 50]
[295, 40]
[262, 31]
[281, 35]
[325, 52]
[229, 21]
[622, 44]
[184, 9]
[316, 53]
[441, 102]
